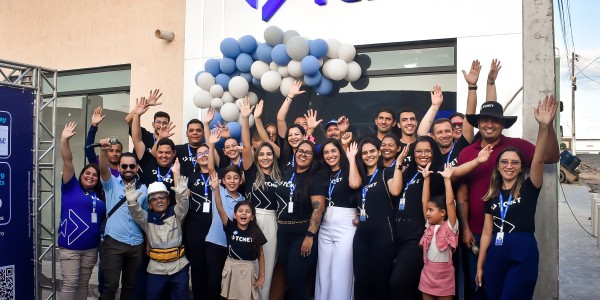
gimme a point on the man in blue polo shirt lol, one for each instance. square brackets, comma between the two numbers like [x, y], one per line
[123, 247]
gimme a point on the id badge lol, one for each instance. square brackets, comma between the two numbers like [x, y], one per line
[94, 218]
[363, 215]
[499, 238]
[206, 207]
[290, 207]
[402, 204]
[328, 213]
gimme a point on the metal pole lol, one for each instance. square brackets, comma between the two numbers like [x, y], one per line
[573, 89]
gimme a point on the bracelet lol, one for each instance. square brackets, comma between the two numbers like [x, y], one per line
[309, 233]
[399, 167]
[288, 97]
[472, 87]
[491, 82]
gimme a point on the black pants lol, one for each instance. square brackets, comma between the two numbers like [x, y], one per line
[195, 251]
[120, 258]
[374, 251]
[404, 281]
[289, 247]
[215, 261]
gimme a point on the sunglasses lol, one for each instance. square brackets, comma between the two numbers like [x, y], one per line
[457, 124]
[125, 166]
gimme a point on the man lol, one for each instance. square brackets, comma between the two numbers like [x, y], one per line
[407, 123]
[385, 122]
[457, 119]
[161, 119]
[114, 153]
[491, 121]
[123, 247]
[186, 153]
[335, 128]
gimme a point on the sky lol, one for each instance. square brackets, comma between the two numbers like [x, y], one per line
[584, 26]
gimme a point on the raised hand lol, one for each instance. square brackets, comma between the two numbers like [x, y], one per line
[448, 169]
[131, 193]
[153, 97]
[182, 185]
[166, 131]
[352, 150]
[69, 131]
[214, 180]
[343, 124]
[295, 89]
[403, 155]
[425, 170]
[141, 106]
[105, 144]
[210, 114]
[546, 110]
[473, 75]
[215, 136]
[436, 96]
[346, 137]
[246, 110]
[224, 130]
[258, 110]
[176, 167]
[494, 69]
[484, 154]
[97, 116]
[311, 119]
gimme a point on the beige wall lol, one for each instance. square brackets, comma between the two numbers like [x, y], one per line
[74, 34]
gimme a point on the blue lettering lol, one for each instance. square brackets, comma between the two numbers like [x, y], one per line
[272, 6]
[3, 141]
[2, 120]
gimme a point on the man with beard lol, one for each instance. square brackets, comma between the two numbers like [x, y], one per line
[114, 153]
[384, 122]
[123, 247]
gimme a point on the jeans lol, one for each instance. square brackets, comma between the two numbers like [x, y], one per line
[76, 268]
[176, 285]
[120, 258]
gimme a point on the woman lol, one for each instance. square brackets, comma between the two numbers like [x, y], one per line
[263, 177]
[509, 256]
[373, 245]
[299, 217]
[197, 223]
[334, 267]
[390, 148]
[82, 199]
[231, 149]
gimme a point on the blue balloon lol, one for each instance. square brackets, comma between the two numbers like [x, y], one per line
[216, 120]
[325, 87]
[317, 48]
[223, 80]
[247, 76]
[313, 80]
[248, 44]
[256, 82]
[236, 73]
[310, 65]
[280, 56]
[235, 129]
[230, 48]
[227, 65]
[213, 66]
[264, 52]
[255, 56]
[244, 62]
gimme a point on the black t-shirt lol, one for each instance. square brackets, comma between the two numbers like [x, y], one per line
[379, 204]
[153, 173]
[239, 242]
[200, 213]
[187, 158]
[520, 216]
[147, 138]
[265, 196]
[341, 194]
[411, 150]
[305, 187]
[454, 152]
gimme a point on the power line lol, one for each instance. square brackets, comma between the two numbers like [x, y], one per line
[580, 72]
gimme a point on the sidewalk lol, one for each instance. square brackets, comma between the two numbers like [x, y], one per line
[579, 257]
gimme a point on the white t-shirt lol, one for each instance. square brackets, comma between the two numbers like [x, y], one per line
[433, 253]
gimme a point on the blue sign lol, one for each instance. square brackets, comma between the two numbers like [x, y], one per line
[272, 6]
[16, 170]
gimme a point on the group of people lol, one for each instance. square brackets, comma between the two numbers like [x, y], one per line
[279, 215]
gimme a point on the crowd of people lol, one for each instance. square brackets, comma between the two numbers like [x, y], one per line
[399, 214]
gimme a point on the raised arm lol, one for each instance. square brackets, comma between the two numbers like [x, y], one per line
[552, 153]
[103, 164]
[450, 209]
[246, 111]
[466, 168]
[311, 121]
[139, 215]
[65, 151]
[395, 184]
[152, 100]
[471, 78]
[97, 118]
[260, 128]
[215, 136]
[164, 132]
[544, 114]
[490, 91]
[182, 193]
[436, 102]
[136, 129]
[214, 186]
[426, 194]
[354, 179]
[285, 107]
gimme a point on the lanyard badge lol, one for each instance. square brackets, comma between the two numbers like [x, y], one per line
[292, 189]
[402, 202]
[503, 211]
[94, 218]
[363, 213]
[206, 205]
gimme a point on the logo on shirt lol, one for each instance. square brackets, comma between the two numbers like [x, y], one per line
[370, 185]
[240, 238]
[507, 203]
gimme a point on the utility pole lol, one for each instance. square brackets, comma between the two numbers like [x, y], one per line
[573, 89]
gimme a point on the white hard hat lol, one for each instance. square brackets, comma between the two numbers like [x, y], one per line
[157, 187]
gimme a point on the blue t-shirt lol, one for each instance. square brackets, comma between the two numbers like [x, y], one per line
[76, 230]
[216, 233]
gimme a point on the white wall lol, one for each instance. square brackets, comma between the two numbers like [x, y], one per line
[483, 29]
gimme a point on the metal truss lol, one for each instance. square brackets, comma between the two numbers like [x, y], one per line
[43, 82]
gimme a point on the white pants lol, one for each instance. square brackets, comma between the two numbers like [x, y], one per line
[267, 221]
[335, 275]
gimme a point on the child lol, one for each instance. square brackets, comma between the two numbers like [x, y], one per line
[244, 243]
[168, 267]
[439, 239]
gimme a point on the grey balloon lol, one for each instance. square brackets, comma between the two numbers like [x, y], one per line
[297, 48]
[273, 35]
[289, 34]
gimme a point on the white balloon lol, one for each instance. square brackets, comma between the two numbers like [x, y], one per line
[238, 86]
[286, 83]
[253, 98]
[354, 71]
[227, 97]
[326, 68]
[229, 112]
[216, 91]
[295, 68]
[332, 48]
[337, 69]
[205, 81]
[270, 81]
[259, 68]
[239, 103]
[250, 120]
[283, 71]
[216, 103]
[273, 66]
[202, 99]
[346, 52]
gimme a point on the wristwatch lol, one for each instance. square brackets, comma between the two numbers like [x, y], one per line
[309, 233]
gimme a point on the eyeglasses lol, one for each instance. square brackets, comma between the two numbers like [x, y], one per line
[164, 123]
[306, 153]
[457, 124]
[162, 198]
[506, 162]
[125, 166]
[202, 154]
